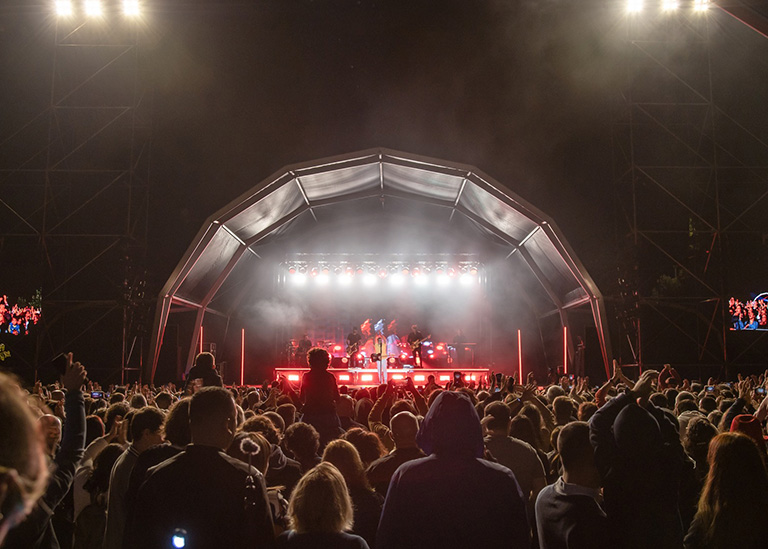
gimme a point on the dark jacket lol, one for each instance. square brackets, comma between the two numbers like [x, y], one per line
[570, 520]
[37, 530]
[641, 462]
[453, 498]
[201, 492]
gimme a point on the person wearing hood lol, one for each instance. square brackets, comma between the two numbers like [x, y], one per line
[641, 463]
[453, 497]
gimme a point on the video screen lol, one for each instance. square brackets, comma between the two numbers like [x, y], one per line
[749, 314]
[18, 318]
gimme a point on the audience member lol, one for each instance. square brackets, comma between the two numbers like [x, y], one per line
[365, 501]
[319, 513]
[453, 498]
[303, 441]
[734, 501]
[568, 512]
[199, 494]
[404, 426]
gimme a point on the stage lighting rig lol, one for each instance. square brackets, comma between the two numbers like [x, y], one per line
[634, 6]
[93, 8]
[64, 8]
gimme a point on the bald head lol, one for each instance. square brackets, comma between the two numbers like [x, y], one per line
[404, 426]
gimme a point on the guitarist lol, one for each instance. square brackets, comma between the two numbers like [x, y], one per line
[353, 346]
[415, 339]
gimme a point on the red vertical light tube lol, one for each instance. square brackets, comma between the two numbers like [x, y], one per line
[242, 356]
[201, 339]
[565, 350]
[519, 359]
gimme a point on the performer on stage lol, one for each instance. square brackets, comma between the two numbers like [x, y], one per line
[353, 346]
[459, 341]
[415, 339]
[302, 349]
[393, 341]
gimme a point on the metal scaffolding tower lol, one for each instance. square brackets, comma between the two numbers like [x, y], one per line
[691, 182]
[75, 186]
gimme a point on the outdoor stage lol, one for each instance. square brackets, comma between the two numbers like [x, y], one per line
[367, 377]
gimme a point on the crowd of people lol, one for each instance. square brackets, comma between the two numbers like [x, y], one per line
[17, 319]
[752, 315]
[657, 462]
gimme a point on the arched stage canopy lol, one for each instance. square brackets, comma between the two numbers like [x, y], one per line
[302, 196]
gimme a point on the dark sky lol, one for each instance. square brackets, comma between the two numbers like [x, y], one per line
[527, 91]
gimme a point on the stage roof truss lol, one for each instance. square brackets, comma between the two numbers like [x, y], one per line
[270, 208]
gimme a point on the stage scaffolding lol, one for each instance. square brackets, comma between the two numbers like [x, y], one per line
[76, 186]
[692, 180]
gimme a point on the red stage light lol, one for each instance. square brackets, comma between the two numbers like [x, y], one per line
[292, 270]
[359, 356]
[345, 360]
[366, 377]
[403, 356]
[440, 347]
[419, 377]
[343, 377]
[293, 377]
[445, 378]
[398, 376]
[337, 347]
[313, 272]
[391, 360]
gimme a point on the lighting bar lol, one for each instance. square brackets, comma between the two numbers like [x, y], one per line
[634, 6]
[701, 5]
[293, 377]
[519, 358]
[201, 339]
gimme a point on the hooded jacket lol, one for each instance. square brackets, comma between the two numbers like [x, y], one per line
[453, 497]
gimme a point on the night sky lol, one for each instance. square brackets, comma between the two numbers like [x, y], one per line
[528, 92]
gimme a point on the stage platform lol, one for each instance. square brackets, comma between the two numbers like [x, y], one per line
[367, 377]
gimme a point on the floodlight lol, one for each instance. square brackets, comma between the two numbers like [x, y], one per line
[345, 279]
[299, 279]
[369, 279]
[443, 280]
[701, 5]
[669, 5]
[466, 279]
[322, 278]
[396, 280]
[93, 8]
[63, 8]
[634, 6]
[131, 8]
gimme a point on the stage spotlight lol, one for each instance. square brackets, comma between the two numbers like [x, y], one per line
[370, 280]
[131, 8]
[443, 280]
[325, 270]
[63, 8]
[93, 8]
[383, 273]
[292, 270]
[420, 280]
[345, 279]
[337, 271]
[359, 271]
[322, 279]
[313, 272]
[439, 271]
[451, 272]
[396, 280]
[634, 6]
[416, 271]
[299, 279]
[701, 5]
[473, 270]
[466, 279]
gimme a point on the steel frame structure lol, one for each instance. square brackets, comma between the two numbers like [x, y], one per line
[80, 191]
[685, 166]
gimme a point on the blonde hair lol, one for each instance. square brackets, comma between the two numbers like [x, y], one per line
[320, 502]
[345, 457]
[21, 443]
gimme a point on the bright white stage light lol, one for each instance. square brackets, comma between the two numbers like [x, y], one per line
[131, 8]
[466, 279]
[93, 8]
[322, 279]
[634, 6]
[345, 280]
[370, 279]
[701, 5]
[63, 8]
[396, 280]
[420, 280]
[443, 280]
[669, 5]
[299, 279]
